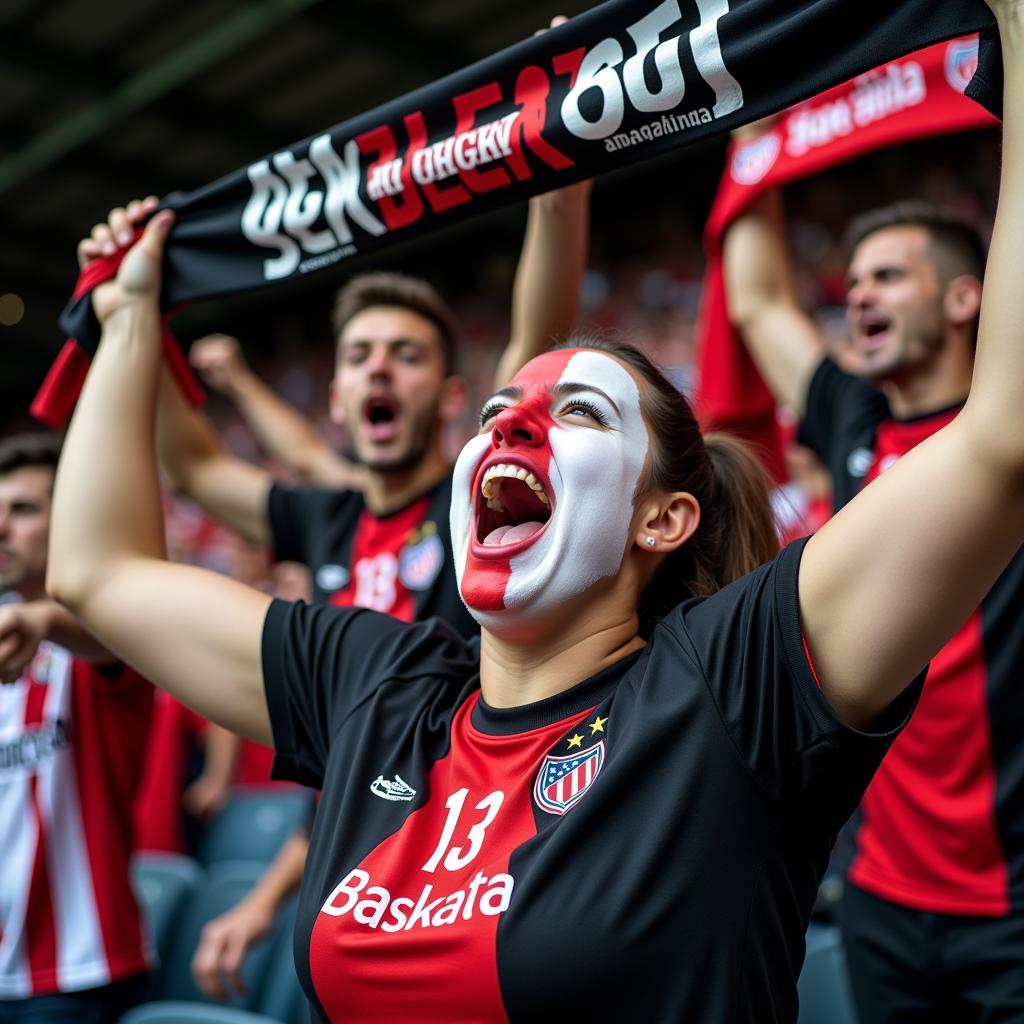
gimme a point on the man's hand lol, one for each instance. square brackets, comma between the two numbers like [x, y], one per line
[220, 362]
[205, 797]
[139, 277]
[22, 628]
[223, 944]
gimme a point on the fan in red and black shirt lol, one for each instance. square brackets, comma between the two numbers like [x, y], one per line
[73, 728]
[933, 912]
[376, 537]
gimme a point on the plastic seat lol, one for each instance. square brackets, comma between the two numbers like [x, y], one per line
[164, 884]
[173, 1012]
[281, 996]
[224, 886]
[823, 986]
[253, 825]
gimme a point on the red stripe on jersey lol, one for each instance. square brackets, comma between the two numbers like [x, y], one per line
[810, 662]
[115, 712]
[173, 732]
[928, 836]
[432, 890]
[40, 933]
[35, 701]
[929, 832]
[376, 550]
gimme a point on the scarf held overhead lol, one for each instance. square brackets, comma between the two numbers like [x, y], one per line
[628, 80]
[914, 98]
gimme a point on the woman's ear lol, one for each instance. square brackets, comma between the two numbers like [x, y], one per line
[668, 523]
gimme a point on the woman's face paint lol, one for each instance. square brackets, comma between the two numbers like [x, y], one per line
[543, 499]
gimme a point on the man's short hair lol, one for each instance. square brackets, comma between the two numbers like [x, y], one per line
[384, 288]
[29, 449]
[955, 244]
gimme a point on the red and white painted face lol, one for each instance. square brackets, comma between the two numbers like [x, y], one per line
[543, 497]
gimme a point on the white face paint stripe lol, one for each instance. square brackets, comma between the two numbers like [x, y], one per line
[461, 518]
[558, 564]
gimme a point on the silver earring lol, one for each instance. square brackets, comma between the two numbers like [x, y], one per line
[649, 541]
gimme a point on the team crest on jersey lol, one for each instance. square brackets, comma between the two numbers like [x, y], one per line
[751, 162]
[421, 559]
[961, 62]
[562, 780]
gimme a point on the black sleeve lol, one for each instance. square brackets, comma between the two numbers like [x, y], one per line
[288, 524]
[748, 643]
[841, 411]
[298, 516]
[321, 663]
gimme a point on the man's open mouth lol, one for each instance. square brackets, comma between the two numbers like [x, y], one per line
[380, 415]
[872, 325]
[512, 508]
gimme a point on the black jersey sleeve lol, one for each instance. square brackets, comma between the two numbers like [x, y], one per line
[748, 644]
[298, 517]
[841, 410]
[322, 663]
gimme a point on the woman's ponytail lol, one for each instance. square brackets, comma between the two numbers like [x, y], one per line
[741, 535]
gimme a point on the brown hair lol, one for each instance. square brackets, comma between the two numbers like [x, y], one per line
[955, 244]
[29, 449]
[384, 288]
[736, 532]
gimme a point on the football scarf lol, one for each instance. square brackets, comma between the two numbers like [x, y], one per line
[628, 80]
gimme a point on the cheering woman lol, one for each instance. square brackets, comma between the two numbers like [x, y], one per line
[619, 804]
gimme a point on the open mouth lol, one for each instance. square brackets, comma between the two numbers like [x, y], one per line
[380, 415]
[513, 506]
[871, 326]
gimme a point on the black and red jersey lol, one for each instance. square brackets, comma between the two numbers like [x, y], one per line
[646, 845]
[400, 564]
[941, 827]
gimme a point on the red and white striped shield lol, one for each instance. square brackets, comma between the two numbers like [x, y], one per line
[562, 781]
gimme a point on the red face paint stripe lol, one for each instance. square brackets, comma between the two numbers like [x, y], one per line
[486, 582]
[105, 787]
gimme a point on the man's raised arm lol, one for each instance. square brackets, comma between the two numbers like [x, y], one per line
[783, 340]
[546, 292]
[284, 432]
[197, 465]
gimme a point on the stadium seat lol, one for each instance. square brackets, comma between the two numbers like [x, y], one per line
[164, 884]
[823, 986]
[224, 886]
[173, 1012]
[253, 825]
[280, 995]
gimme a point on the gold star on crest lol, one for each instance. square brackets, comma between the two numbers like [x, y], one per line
[575, 741]
[597, 725]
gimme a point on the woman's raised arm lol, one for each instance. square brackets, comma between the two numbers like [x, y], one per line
[191, 632]
[889, 580]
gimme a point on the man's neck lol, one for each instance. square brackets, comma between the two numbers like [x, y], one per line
[939, 384]
[386, 491]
